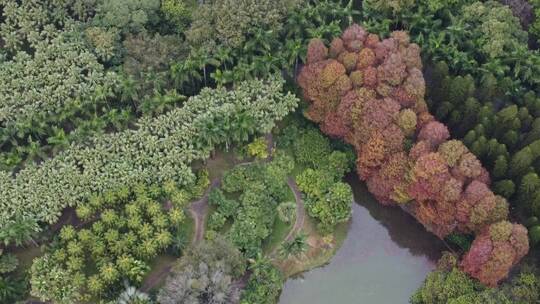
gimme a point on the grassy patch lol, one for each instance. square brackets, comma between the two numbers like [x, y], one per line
[26, 256]
[279, 232]
[188, 226]
[321, 250]
[159, 270]
[220, 162]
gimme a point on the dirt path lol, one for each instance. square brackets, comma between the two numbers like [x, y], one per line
[156, 278]
[300, 215]
[198, 211]
[238, 286]
[300, 211]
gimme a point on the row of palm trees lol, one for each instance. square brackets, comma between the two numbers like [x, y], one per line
[266, 51]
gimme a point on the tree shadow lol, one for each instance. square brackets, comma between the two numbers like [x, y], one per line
[402, 228]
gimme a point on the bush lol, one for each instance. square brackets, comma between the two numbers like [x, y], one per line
[127, 15]
[178, 13]
[8, 263]
[204, 274]
[452, 286]
[287, 212]
[264, 285]
[258, 148]
[12, 289]
[311, 149]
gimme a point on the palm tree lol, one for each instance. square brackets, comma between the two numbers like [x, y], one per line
[33, 150]
[222, 77]
[223, 56]
[296, 247]
[332, 29]
[131, 295]
[19, 231]
[258, 263]
[129, 89]
[241, 126]
[262, 42]
[293, 50]
[59, 140]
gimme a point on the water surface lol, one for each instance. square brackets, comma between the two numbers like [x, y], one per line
[383, 260]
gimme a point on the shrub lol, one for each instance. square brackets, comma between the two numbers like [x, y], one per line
[287, 211]
[258, 148]
[264, 285]
[205, 273]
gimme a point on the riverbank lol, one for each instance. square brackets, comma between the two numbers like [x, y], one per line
[384, 250]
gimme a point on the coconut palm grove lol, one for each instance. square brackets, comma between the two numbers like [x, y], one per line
[269, 151]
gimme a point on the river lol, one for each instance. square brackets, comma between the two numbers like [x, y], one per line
[384, 259]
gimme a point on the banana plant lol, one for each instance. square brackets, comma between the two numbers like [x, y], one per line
[58, 141]
[19, 231]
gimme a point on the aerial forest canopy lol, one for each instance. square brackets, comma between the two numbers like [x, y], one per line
[210, 151]
[370, 93]
[159, 149]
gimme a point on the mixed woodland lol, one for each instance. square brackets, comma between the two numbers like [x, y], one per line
[190, 151]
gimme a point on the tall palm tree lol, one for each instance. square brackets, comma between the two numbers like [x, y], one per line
[258, 263]
[293, 50]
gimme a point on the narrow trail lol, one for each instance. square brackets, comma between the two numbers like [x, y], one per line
[198, 211]
[300, 215]
[300, 210]
[153, 280]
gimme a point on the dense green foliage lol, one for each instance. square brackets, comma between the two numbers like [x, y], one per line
[234, 40]
[259, 189]
[449, 285]
[229, 23]
[205, 274]
[264, 285]
[73, 69]
[327, 198]
[131, 230]
[13, 286]
[36, 104]
[158, 150]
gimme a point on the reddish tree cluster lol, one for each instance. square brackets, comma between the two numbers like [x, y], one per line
[496, 248]
[370, 92]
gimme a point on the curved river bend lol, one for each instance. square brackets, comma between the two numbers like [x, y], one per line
[383, 260]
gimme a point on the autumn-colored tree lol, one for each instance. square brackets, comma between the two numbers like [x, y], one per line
[370, 93]
[494, 251]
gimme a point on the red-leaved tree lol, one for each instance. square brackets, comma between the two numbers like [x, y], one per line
[370, 93]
